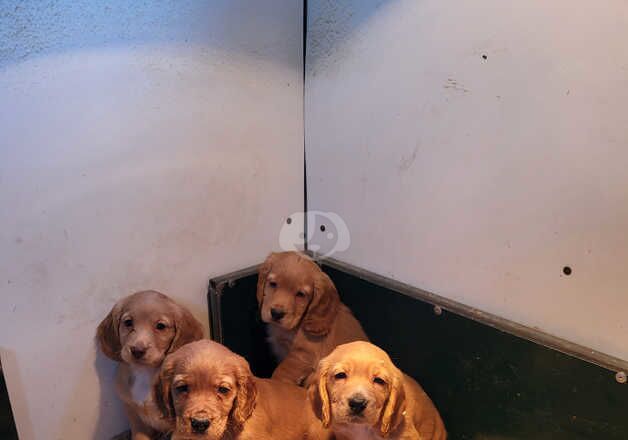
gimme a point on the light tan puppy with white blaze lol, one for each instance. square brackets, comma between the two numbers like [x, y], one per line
[139, 332]
[359, 393]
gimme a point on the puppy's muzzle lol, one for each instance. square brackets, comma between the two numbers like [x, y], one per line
[199, 426]
[138, 352]
[357, 404]
[277, 314]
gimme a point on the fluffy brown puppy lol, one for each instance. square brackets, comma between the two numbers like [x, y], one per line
[361, 395]
[139, 332]
[305, 316]
[209, 393]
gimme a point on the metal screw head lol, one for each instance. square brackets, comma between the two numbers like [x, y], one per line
[620, 377]
[438, 311]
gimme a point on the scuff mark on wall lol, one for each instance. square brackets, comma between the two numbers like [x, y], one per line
[455, 85]
[407, 161]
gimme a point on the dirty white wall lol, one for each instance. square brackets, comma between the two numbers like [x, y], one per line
[475, 148]
[142, 145]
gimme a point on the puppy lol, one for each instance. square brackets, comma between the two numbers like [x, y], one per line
[305, 316]
[138, 332]
[208, 392]
[361, 395]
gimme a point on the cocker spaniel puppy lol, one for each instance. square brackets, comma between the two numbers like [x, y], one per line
[305, 317]
[209, 393]
[139, 332]
[361, 395]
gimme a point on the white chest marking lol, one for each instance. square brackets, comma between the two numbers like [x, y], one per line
[142, 381]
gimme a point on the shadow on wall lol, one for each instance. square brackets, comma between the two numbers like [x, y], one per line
[110, 418]
[106, 370]
[109, 410]
[330, 22]
[108, 407]
[29, 30]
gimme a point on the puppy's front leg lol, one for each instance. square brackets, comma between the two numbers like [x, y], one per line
[139, 430]
[297, 366]
[143, 433]
[412, 434]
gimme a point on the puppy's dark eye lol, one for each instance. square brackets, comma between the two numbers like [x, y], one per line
[272, 284]
[379, 381]
[340, 375]
[223, 390]
[180, 389]
[160, 326]
[301, 294]
[128, 322]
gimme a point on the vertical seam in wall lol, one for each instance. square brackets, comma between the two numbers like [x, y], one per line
[305, 207]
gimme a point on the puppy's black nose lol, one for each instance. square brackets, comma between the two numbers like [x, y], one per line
[199, 425]
[277, 314]
[138, 353]
[357, 404]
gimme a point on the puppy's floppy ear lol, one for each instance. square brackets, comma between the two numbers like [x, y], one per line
[187, 328]
[323, 307]
[318, 396]
[395, 405]
[107, 334]
[246, 394]
[162, 388]
[263, 271]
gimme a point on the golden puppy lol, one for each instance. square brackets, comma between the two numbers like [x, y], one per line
[305, 316]
[208, 392]
[138, 332]
[361, 395]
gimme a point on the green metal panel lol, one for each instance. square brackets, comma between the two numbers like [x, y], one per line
[487, 384]
[242, 329]
[7, 424]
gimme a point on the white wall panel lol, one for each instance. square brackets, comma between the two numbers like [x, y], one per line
[142, 145]
[475, 148]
